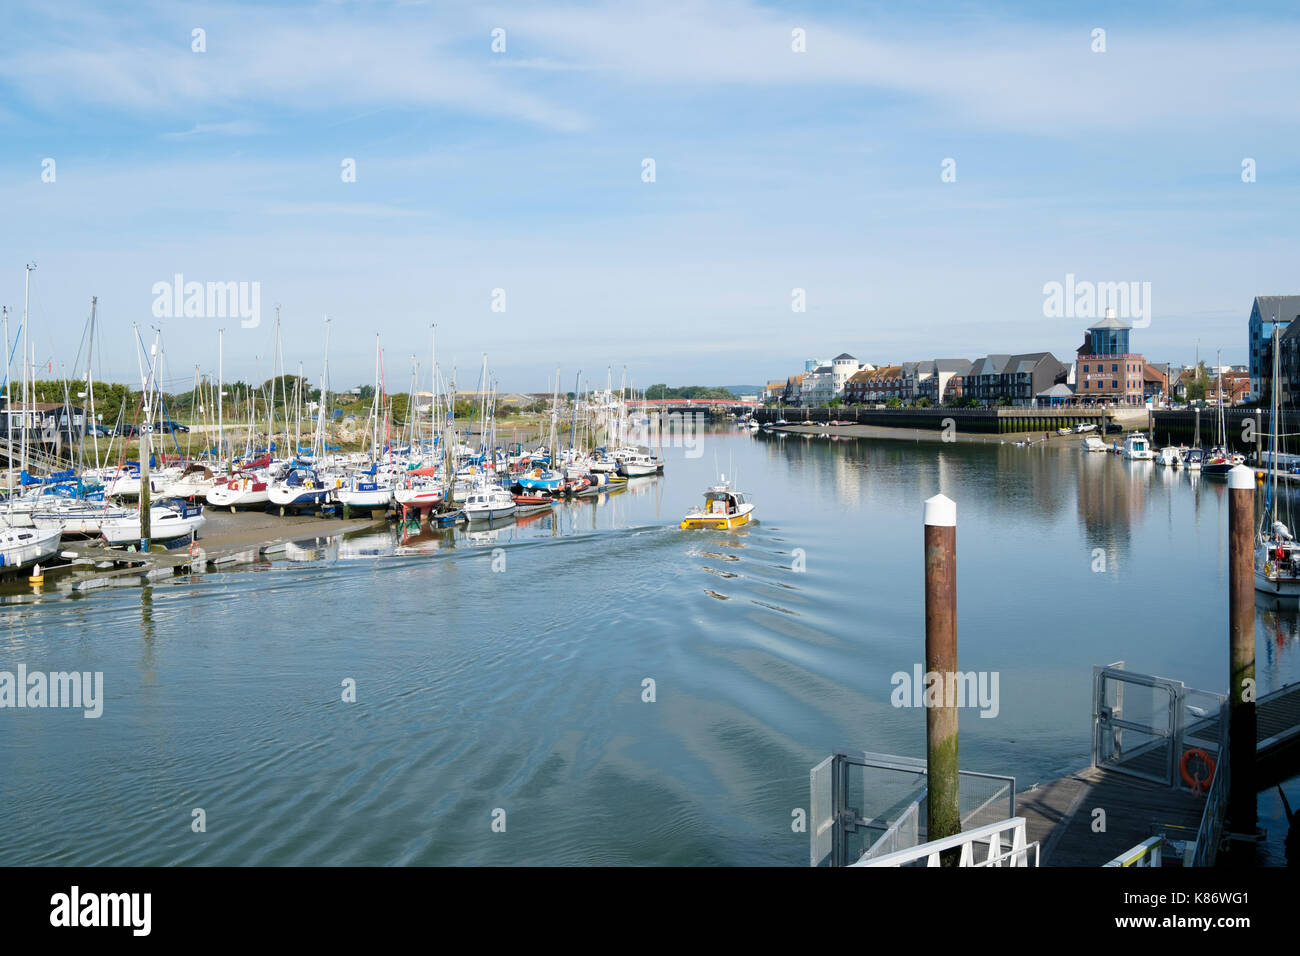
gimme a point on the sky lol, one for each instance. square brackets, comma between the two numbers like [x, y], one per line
[920, 171]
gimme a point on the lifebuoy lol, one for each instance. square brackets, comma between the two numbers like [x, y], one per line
[1196, 783]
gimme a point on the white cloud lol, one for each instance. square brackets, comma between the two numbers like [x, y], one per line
[232, 128]
[327, 61]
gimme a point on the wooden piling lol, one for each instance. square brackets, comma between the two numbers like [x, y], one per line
[942, 806]
[1242, 818]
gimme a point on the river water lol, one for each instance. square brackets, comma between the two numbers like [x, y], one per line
[501, 676]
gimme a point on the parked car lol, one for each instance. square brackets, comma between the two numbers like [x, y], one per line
[1114, 428]
[128, 431]
[170, 426]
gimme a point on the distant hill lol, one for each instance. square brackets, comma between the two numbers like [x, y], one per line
[739, 390]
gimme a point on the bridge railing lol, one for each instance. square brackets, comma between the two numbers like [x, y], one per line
[995, 844]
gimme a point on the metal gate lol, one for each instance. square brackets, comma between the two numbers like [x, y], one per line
[1137, 723]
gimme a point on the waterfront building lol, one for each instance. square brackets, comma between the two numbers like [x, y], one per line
[870, 386]
[1108, 371]
[826, 381]
[1013, 379]
[1267, 312]
[818, 386]
[1056, 396]
[943, 383]
[1155, 383]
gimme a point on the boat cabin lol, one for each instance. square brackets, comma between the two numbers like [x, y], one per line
[723, 501]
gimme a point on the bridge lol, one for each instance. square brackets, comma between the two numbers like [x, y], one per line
[695, 404]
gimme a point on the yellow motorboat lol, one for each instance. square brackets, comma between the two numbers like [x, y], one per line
[723, 509]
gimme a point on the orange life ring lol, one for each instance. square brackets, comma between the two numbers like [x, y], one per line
[1196, 783]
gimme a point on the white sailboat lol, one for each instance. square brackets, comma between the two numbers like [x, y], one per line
[23, 547]
[1277, 559]
[165, 524]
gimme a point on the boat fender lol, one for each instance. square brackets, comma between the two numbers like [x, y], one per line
[1196, 783]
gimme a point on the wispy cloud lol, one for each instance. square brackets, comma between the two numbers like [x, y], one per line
[336, 58]
[232, 128]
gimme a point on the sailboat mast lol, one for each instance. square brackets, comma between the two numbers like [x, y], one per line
[221, 422]
[9, 413]
[573, 429]
[1273, 423]
[322, 411]
[433, 384]
[88, 418]
[27, 290]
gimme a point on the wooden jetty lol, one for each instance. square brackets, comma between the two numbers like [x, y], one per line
[1061, 815]
[1174, 777]
[227, 540]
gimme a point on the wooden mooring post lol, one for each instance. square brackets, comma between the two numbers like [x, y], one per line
[1242, 819]
[942, 807]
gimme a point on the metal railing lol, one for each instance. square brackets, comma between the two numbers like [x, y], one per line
[1146, 853]
[867, 805]
[1143, 724]
[987, 840]
[1210, 833]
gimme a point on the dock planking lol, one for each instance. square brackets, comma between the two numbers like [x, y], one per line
[1060, 814]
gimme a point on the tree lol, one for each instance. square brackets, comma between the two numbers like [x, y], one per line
[893, 403]
[1199, 385]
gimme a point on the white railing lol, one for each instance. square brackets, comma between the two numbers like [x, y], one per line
[905, 830]
[1014, 853]
[1146, 853]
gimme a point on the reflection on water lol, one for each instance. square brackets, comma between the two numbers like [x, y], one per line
[518, 684]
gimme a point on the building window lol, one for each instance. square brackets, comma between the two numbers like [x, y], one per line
[1114, 367]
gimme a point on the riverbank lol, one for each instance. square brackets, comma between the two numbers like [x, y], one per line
[927, 435]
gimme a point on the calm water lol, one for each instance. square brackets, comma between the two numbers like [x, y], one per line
[521, 689]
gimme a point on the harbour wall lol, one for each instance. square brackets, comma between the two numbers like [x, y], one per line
[993, 421]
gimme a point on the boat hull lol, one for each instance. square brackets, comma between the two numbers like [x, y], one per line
[491, 514]
[715, 522]
[22, 547]
[127, 530]
[1283, 586]
[364, 499]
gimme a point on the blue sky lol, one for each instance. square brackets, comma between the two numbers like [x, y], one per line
[522, 171]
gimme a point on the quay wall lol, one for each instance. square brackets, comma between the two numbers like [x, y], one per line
[1247, 428]
[999, 421]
